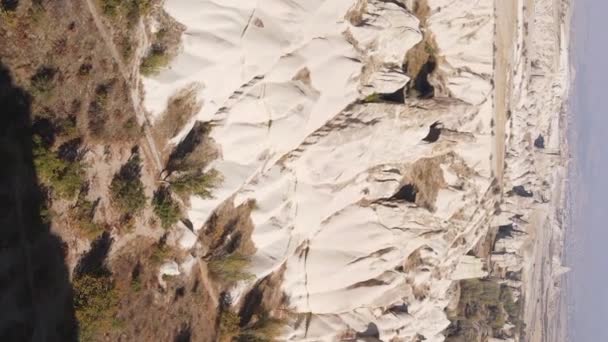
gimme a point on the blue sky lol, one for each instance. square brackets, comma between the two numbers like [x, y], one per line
[589, 255]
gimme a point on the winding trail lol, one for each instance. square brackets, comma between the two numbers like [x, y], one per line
[131, 79]
[505, 31]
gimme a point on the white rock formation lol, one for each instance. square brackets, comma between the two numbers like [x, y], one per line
[281, 80]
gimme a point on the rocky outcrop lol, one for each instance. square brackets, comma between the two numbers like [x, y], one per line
[366, 204]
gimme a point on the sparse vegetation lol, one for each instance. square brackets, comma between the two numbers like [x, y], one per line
[126, 48]
[95, 303]
[180, 109]
[83, 213]
[231, 268]
[66, 127]
[131, 9]
[265, 329]
[156, 59]
[229, 326]
[8, 5]
[97, 107]
[107, 119]
[43, 80]
[196, 183]
[65, 177]
[165, 207]
[160, 252]
[483, 305]
[373, 98]
[126, 189]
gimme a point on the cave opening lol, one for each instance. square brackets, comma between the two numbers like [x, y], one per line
[434, 132]
[419, 86]
[398, 96]
[406, 193]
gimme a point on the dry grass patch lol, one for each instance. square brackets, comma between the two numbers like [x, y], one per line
[356, 12]
[427, 177]
[180, 109]
[229, 229]
[195, 151]
[148, 312]
[422, 59]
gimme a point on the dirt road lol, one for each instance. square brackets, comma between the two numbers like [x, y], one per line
[131, 79]
[506, 27]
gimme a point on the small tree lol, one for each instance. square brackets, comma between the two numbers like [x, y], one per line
[230, 268]
[95, 303]
[126, 189]
[196, 183]
[229, 326]
[65, 177]
[156, 59]
[165, 207]
[43, 80]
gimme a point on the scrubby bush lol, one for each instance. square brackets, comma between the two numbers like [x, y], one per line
[231, 268]
[229, 326]
[165, 207]
[83, 213]
[132, 9]
[511, 307]
[8, 5]
[161, 252]
[95, 303]
[372, 98]
[42, 81]
[65, 177]
[126, 189]
[196, 183]
[156, 59]
[265, 329]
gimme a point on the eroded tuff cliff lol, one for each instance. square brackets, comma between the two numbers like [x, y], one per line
[379, 142]
[324, 170]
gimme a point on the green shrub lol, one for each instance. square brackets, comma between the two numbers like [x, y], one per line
[229, 325]
[511, 307]
[66, 178]
[83, 213]
[136, 284]
[156, 59]
[165, 207]
[372, 98]
[231, 268]
[160, 253]
[67, 128]
[126, 189]
[197, 183]
[265, 329]
[132, 9]
[95, 303]
[110, 7]
[42, 81]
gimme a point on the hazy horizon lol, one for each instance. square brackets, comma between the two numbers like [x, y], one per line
[588, 296]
